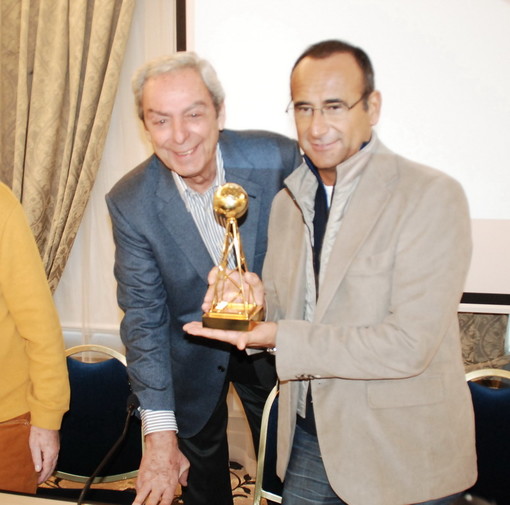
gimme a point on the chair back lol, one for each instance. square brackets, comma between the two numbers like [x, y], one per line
[96, 418]
[490, 392]
[267, 483]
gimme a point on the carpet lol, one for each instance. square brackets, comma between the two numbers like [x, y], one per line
[243, 486]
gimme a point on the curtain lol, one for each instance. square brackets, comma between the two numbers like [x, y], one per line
[86, 294]
[60, 63]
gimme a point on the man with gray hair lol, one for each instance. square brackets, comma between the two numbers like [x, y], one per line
[167, 240]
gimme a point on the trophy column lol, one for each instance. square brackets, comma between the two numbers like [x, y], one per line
[233, 307]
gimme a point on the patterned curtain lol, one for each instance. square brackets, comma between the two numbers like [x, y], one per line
[60, 62]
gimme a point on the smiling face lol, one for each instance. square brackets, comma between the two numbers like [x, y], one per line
[183, 125]
[328, 141]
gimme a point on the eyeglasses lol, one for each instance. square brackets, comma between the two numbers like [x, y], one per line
[333, 110]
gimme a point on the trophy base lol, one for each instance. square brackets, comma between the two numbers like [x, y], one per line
[234, 316]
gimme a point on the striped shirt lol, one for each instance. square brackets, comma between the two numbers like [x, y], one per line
[200, 205]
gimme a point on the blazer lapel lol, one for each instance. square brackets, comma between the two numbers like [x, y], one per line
[179, 223]
[239, 169]
[368, 202]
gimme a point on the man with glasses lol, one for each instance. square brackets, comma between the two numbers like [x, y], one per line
[366, 263]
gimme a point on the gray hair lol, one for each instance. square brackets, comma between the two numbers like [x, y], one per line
[172, 63]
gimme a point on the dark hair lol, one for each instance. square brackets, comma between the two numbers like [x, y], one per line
[328, 48]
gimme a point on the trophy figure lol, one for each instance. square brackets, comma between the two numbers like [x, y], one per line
[232, 306]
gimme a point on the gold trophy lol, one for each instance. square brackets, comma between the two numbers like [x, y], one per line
[232, 306]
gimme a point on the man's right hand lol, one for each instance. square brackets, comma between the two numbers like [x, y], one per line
[163, 467]
[253, 288]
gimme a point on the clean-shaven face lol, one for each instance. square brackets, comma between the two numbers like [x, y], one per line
[330, 141]
[183, 125]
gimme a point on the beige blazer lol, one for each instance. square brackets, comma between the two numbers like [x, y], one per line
[393, 411]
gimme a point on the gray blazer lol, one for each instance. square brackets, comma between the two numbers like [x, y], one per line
[161, 267]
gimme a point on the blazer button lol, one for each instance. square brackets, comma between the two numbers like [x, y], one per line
[221, 368]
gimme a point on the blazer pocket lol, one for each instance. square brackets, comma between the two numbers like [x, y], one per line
[373, 264]
[405, 392]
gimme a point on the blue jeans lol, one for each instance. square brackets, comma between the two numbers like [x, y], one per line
[306, 482]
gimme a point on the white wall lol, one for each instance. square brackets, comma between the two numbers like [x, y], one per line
[442, 67]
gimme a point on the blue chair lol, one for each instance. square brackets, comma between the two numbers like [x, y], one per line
[95, 421]
[267, 484]
[490, 391]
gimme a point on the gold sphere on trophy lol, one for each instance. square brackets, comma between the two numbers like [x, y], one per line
[232, 307]
[230, 200]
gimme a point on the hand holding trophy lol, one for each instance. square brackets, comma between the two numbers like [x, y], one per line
[233, 306]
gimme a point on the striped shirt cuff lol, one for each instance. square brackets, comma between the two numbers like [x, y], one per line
[157, 420]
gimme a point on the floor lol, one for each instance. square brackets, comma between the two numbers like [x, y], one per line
[242, 488]
[242, 485]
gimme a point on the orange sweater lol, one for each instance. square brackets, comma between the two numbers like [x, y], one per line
[33, 372]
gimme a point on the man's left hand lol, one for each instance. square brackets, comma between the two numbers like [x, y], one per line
[44, 446]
